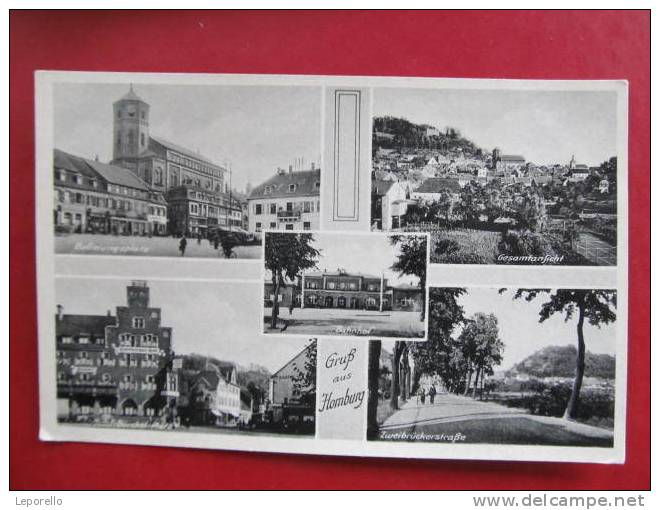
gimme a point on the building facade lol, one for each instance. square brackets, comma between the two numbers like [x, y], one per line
[195, 211]
[116, 367]
[340, 289]
[292, 399]
[94, 197]
[344, 290]
[287, 201]
[213, 397]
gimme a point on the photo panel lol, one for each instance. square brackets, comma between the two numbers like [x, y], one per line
[181, 170]
[511, 175]
[345, 285]
[504, 366]
[175, 355]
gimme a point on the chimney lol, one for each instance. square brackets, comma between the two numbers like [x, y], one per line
[60, 312]
[109, 313]
[313, 166]
[290, 168]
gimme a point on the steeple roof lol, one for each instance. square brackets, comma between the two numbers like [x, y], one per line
[131, 95]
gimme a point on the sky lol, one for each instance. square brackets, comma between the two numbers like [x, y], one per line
[369, 253]
[543, 126]
[257, 128]
[521, 331]
[207, 318]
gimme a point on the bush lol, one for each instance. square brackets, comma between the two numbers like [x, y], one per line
[522, 243]
[595, 407]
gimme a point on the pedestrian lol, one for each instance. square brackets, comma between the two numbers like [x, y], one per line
[291, 308]
[199, 237]
[216, 242]
[422, 394]
[432, 393]
[182, 245]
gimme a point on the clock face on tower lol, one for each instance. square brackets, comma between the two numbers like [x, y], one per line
[131, 110]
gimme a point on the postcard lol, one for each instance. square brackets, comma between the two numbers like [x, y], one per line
[368, 266]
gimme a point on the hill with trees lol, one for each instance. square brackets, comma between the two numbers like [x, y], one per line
[559, 361]
[398, 133]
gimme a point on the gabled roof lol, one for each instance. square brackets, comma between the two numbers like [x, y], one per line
[305, 185]
[72, 325]
[381, 187]
[183, 150]
[118, 175]
[439, 184]
[72, 163]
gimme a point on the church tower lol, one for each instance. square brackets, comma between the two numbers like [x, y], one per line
[131, 129]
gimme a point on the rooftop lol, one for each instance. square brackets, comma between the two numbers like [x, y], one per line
[512, 157]
[439, 184]
[183, 150]
[90, 168]
[307, 183]
[72, 325]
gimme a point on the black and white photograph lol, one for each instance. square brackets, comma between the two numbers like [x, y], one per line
[503, 367]
[174, 355]
[193, 171]
[345, 284]
[499, 176]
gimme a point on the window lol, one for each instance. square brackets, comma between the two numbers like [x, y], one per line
[66, 340]
[306, 225]
[257, 208]
[342, 286]
[79, 179]
[307, 206]
[352, 286]
[289, 226]
[258, 227]
[267, 190]
[273, 208]
[83, 340]
[331, 285]
[317, 185]
[273, 225]
[371, 287]
[128, 378]
[138, 322]
[149, 379]
[292, 188]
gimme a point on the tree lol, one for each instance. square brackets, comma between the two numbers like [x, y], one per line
[481, 347]
[373, 376]
[411, 261]
[286, 257]
[436, 356]
[593, 305]
[304, 378]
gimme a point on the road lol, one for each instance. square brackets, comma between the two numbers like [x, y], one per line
[596, 250]
[454, 418]
[97, 244]
[346, 322]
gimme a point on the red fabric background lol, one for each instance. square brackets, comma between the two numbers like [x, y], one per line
[589, 45]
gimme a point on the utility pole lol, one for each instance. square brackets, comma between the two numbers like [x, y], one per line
[382, 278]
